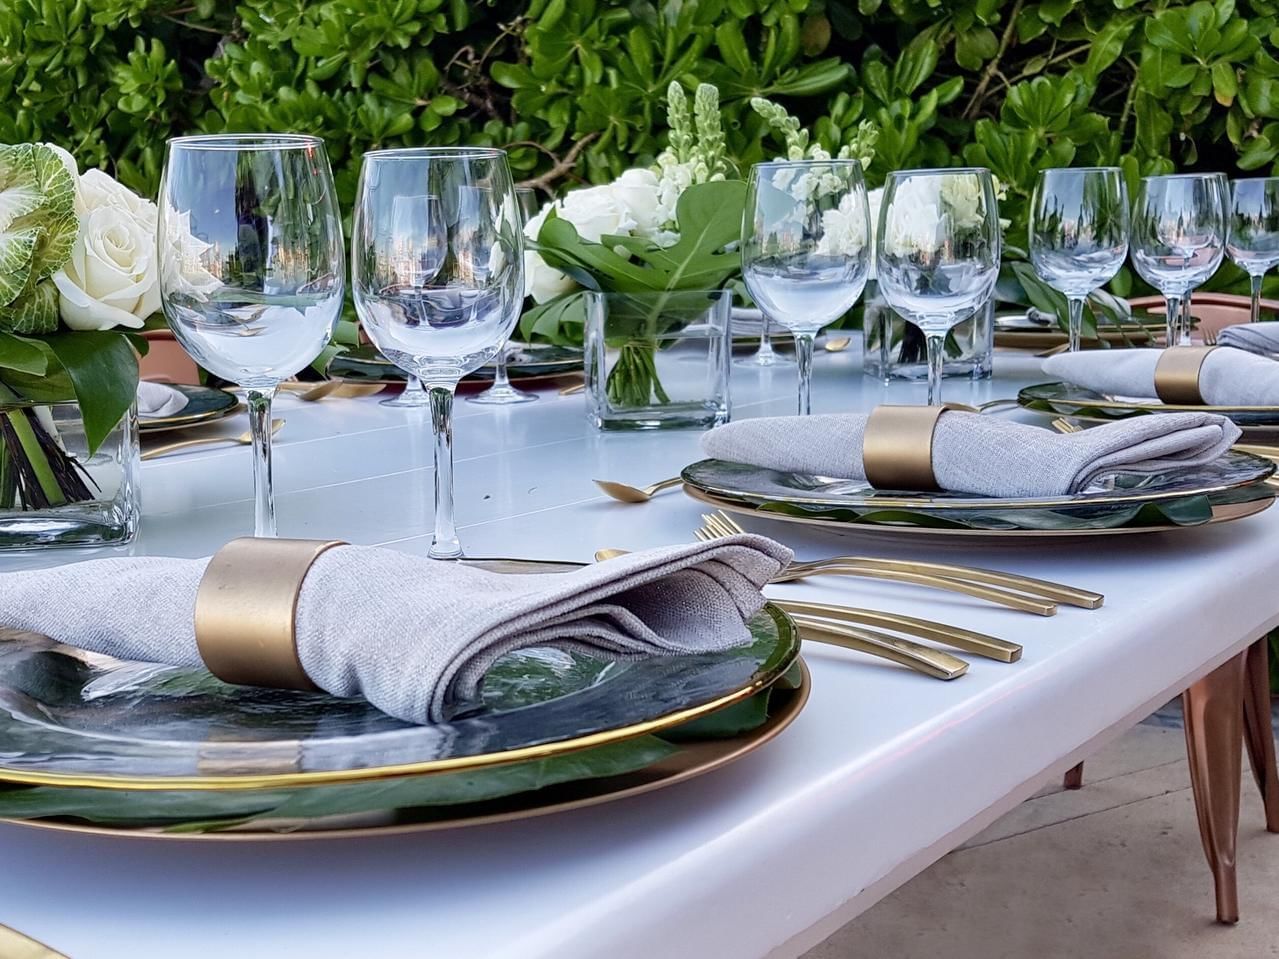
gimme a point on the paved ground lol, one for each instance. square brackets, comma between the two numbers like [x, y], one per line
[1113, 871]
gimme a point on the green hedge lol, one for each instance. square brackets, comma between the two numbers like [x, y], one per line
[573, 87]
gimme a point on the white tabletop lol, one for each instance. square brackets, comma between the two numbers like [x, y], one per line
[883, 772]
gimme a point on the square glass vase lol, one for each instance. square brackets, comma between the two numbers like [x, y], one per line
[893, 349]
[54, 490]
[658, 361]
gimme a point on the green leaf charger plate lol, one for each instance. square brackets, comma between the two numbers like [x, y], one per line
[1070, 400]
[536, 361]
[204, 405]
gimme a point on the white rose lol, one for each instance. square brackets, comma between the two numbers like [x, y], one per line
[636, 191]
[596, 212]
[913, 221]
[541, 280]
[97, 190]
[182, 258]
[962, 194]
[112, 277]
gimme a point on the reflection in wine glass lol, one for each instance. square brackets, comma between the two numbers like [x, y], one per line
[1179, 238]
[417, 221]
[1078, 233]
[1254, 231]
[251, 267]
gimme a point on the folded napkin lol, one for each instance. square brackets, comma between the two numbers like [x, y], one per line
[1228, 377]
[982, 455]
[415, 636]
[156, 399]
[1262, 338]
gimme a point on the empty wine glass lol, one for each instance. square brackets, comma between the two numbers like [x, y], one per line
[1179, 238]
[418, 217]
[251, 267]
[806, 248]
[1078, 233]
[938, 249]
[764, 354]
[1253, 236]
[438, 323]
[502, 393]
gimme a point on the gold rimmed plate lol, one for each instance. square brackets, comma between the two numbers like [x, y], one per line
[688, 759]
[1070, 400]
[204, 405]
[1223, 513]
[69, 718]
[526, 363]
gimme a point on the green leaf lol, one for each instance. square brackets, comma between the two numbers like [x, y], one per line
[104, 373]
[22, 355]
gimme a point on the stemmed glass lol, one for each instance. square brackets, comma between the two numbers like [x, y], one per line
[251, 267]
[1179, 238]
[1078, 233]
[418, 217]
[764, 354]
[502, 393]
[806, 248]
[1253, 236]
[937, 256]
[438, 324]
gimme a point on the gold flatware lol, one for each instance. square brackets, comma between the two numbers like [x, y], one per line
[635, 494]
[838, 344]
[1063, 425]
[573, 389]
[965, 640]
[16, 945]
[1053, 351]
[1209, 337]
[244, 439]
[721, 524]
[916, 656]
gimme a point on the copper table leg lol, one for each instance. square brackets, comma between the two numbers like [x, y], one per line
[1258, 731]
[1214, 741]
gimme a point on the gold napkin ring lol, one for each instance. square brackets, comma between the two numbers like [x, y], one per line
[246, 611]
[897, 447]
[1177, 374]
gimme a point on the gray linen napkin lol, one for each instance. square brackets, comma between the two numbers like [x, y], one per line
[1260, 338]
[413, 636]
[982, 455]
[1228, 377]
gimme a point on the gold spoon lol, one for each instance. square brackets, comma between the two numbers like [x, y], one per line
[244, 439]
[338, 389]
[635, 494]
[837, 345]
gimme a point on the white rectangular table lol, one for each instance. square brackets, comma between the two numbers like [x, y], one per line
[882, 774]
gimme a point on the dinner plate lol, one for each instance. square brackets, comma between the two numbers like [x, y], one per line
[1018, 332]
[204, 405]
[524, 363]
[71, 718]
[691, 758]
[1223, 513]
[1071, 400]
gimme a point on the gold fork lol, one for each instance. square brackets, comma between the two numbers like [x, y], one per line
[989, 584]
[1209, 337]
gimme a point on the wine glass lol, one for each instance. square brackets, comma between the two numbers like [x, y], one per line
[938, 249]
[1078, 233]
[438, 324]
[805, 248]
[764, 354]
[1179, 238]
[418, 217]
[1253, 236]
[251, 267]
[502, 393]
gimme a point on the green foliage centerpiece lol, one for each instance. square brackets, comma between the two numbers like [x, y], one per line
[77, 260]
[659, 235]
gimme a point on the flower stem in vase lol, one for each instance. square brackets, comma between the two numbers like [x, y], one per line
[633, 379]
[35, 472]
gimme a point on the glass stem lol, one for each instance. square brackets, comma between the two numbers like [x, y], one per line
[500, 382]
[1183, 338]
[1075, 331]
[804, 357]
[1254, 315]
[936, 366]
[1172, 319]
[766, 341]
[444, 543]
[259, 402]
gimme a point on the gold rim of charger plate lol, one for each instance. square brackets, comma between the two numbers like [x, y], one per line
[1110, 404]
[1223, 513]
[448, 764]
[714, 754]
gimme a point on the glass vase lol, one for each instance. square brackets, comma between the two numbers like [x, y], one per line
[54, 490]
[893, 349]
[658, 360]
